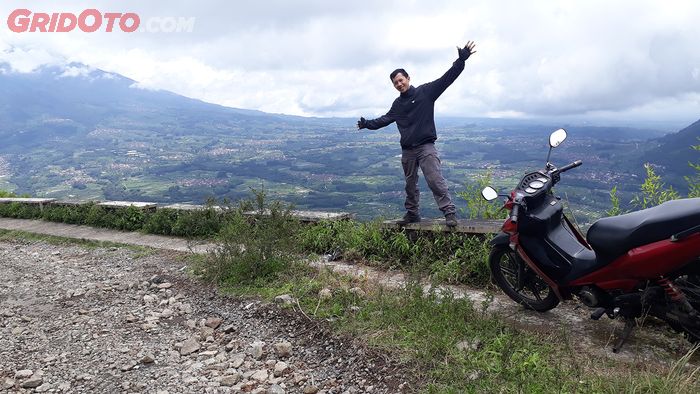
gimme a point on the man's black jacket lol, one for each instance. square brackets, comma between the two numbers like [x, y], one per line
[413, 111]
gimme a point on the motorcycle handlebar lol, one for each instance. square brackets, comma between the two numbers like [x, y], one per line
[570, 166]
[514, 213]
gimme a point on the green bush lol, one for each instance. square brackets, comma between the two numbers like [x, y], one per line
[254, 249]
[477, 207]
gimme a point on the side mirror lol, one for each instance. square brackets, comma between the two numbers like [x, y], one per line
[557, 137]
[489, 193]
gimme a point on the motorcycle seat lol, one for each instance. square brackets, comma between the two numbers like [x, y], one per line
[614, 236]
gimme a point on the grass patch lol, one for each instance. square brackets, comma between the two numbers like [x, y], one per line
[444, 257]
[9, 235]
[451, 346]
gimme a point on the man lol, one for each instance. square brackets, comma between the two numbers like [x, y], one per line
[413, 112]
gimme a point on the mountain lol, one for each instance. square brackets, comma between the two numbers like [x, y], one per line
[66, 103]
[675, 150]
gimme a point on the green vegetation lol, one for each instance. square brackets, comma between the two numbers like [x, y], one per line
[256, 248]
[694, 180]
[196, 223]
[61, 241]
[653, 191]
[445, 257]
[477, 207]
[450, 345]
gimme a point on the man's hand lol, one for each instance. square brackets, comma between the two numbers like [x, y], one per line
[362, 124]
[467, 51]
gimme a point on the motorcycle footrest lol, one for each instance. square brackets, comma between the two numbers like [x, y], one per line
[596, 314]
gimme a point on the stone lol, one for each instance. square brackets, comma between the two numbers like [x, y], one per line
[237, 360]
[325, 294]
[165, 285]
[275, 389]
[228, 329]
[7, 384]
[189, 346]
[284, 299]
[230, 380]
[256, 350]
[357, 291]
[298, 378]
[213, 322]
[128, 366]
[280, 368]
[131, 319]
[205, 332]
[43, 388]
[283, 348]
[469, 346]
[147, 359]
[260, 375]
[310, 389]
[23, 373]
[34, 381]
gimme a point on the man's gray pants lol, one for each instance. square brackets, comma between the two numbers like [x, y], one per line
[426, 157]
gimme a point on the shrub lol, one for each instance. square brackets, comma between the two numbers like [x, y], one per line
[254, 248]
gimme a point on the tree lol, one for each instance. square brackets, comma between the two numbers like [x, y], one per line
[653, 191]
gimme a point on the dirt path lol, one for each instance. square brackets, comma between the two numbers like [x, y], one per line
[104, 235]
[111, 319]
[651, 343]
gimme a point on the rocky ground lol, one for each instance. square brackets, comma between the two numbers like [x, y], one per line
[107, 320]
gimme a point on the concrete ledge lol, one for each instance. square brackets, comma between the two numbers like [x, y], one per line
[190, 207]
[467, 226]
[311, 216]
[31, 201]
[126, 204]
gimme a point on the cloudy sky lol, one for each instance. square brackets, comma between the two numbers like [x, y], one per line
[634, 59]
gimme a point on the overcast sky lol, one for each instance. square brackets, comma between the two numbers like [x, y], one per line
[627, 59]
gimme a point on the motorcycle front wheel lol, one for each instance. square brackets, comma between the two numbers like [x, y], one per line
[519, 282]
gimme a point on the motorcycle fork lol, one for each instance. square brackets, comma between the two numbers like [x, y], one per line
[521, 276]
[515, 246]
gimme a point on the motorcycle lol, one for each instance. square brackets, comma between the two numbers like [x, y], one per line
[632, 265]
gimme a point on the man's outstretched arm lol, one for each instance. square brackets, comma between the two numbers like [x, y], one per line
[438, 86]
[374, 124]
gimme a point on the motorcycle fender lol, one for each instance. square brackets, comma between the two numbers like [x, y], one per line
[501, 239]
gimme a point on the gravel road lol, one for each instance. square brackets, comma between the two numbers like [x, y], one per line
[106, 320]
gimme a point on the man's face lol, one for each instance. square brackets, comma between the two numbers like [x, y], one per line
[401, 83]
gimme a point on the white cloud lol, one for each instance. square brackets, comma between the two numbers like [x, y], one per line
[537, 58]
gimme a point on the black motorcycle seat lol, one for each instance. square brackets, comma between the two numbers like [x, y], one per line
[614, 236]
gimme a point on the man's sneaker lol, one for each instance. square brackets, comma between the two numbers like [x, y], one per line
[408, 218]
[451, 220]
